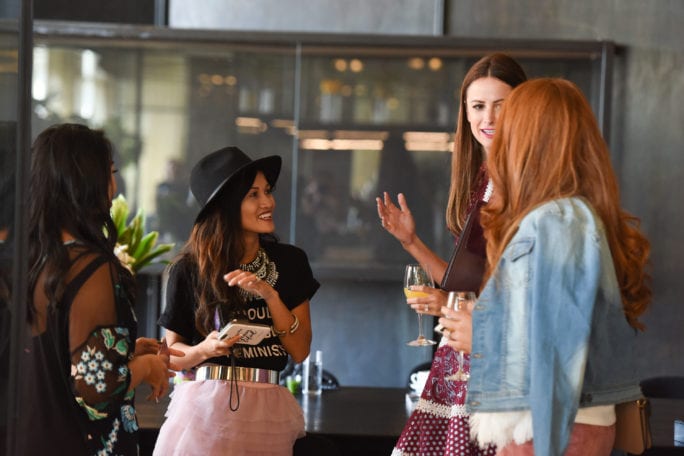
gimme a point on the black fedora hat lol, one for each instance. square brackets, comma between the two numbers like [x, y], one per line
[214, 171]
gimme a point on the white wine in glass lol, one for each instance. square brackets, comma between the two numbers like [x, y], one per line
[458, 300]
[416, 275]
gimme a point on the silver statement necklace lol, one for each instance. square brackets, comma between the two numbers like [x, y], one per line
[263, 268]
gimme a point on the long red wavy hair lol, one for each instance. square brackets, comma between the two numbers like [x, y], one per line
[549, 146]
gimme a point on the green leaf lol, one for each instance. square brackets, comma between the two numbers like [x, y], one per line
[125, 236]
[146, 243]
[142, 247]
[119, 212]
[147, 259]
[136, 226]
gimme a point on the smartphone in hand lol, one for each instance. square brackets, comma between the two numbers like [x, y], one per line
[251, 333]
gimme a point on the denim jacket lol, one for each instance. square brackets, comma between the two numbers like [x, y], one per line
[549, 332]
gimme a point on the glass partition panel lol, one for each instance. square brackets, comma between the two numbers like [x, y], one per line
[351, 121]
[164, 106]
[379, 119]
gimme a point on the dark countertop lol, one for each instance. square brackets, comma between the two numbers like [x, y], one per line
[381, 413]
[356, 411]
[347, 411]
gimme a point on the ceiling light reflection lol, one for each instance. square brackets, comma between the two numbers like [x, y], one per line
[435, 64]
[431, 136]
[428, 141]
[341, 144]
[356, 65]
[285, 124]
[360, 134]
[250, 125]
[429, 146]
[416, 63]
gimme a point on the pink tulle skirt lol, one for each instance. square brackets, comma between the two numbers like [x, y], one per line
[199, 420]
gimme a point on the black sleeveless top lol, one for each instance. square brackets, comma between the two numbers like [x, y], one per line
[78, 403]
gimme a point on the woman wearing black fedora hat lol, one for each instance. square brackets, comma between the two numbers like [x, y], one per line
[232, 267]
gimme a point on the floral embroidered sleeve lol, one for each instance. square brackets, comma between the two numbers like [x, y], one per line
[99, 371]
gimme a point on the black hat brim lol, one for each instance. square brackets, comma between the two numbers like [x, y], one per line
[270, 166]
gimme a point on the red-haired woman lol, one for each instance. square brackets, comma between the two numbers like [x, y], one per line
[556, 322]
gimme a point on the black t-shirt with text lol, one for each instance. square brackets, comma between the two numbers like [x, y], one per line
[295, 284]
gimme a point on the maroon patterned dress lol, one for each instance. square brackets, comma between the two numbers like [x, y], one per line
[439, 423]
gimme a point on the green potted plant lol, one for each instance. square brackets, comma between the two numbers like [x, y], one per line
[134, 248]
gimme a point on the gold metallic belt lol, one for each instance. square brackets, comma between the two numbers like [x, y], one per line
[242, 374]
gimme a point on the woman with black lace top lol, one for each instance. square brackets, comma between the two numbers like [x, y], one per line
[80, 363]
[233, 267]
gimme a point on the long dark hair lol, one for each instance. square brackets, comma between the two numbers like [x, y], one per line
[215, 247]
[69, 191]
[468, 155]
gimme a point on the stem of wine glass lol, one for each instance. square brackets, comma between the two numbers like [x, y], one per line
[460, 375]
[420, 326]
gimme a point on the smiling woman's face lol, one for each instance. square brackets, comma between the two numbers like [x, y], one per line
[257, 207]
[484, 98]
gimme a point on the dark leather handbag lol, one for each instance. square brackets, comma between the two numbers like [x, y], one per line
[467, 263]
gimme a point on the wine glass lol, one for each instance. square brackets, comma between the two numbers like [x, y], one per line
[458, 300]
[416, 275]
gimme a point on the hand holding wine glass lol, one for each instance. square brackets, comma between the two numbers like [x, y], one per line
[415, 275]
[458, 301]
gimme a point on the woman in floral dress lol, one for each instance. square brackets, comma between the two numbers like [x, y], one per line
[80, 363]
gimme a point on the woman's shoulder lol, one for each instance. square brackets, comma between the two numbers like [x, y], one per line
[181, 269]
[562, 214]
[569, 207]
[276, 248]
[85, 261]
[287, 254]
[182, 263]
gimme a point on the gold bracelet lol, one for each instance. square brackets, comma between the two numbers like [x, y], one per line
[293, 327]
